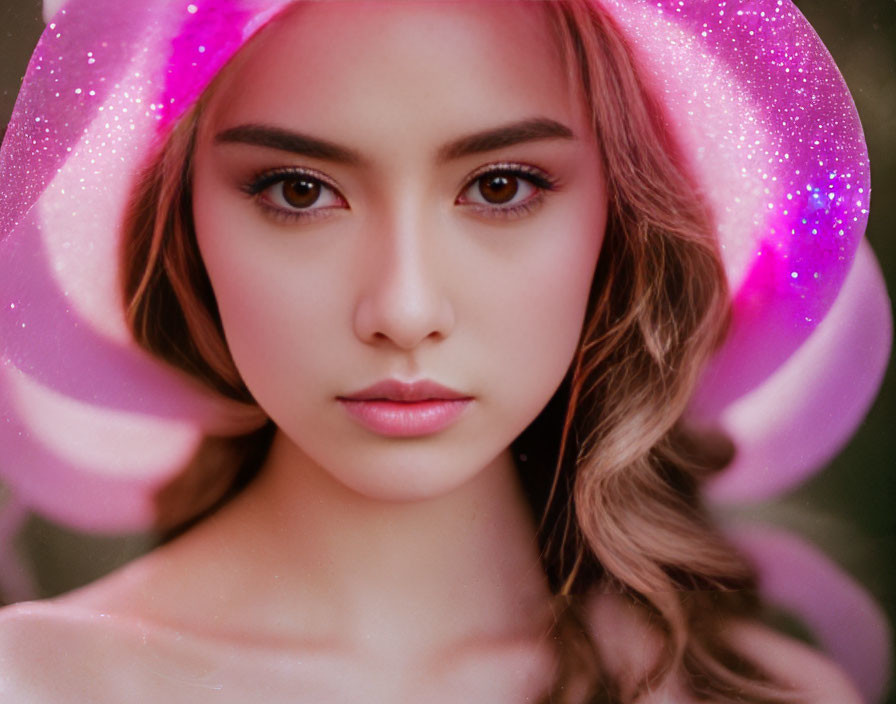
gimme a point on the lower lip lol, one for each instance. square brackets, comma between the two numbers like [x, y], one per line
[400, 419]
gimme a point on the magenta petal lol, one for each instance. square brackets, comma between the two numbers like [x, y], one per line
[803, 414]
[847, 623]
[91, 466]
[770, 131]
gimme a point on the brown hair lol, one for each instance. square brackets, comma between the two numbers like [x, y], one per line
[623, 509]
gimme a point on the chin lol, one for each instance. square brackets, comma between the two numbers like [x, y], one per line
[407, 475]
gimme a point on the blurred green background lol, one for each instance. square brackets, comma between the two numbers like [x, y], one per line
[848, 509]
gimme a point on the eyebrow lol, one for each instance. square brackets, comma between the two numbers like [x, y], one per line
[530, 130]
[287, 141]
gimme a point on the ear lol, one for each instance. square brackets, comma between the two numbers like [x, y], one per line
[51, 7]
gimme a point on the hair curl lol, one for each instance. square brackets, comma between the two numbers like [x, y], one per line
[623, 509]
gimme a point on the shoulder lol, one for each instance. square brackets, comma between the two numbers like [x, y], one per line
[630, 646]
[28, 629]
[55, 652]
[37, 638]
[69, 651]
[31, 643]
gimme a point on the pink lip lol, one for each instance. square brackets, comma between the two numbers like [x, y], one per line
[397, 409]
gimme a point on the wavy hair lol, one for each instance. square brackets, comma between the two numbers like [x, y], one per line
[622, 511]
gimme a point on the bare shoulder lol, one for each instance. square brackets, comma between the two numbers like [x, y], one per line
[33, 639]
[60, 652]
[69, 651]
[53, 653]
[630, 646]
[808, 672]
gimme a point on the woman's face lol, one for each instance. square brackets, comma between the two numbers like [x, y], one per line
[400, 192]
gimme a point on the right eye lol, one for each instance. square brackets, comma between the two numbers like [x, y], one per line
[295, 194]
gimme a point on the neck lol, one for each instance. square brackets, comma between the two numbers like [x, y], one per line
[458, 567]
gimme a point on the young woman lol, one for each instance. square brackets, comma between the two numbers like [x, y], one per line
[456, 276]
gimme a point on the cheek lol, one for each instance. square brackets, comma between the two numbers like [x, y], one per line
[553, 294]
[267, 322]
[263, 301]
[539, 308]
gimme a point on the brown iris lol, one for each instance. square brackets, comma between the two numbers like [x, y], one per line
[301, 192]
[498, 188]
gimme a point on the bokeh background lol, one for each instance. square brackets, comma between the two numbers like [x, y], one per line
[848, 509]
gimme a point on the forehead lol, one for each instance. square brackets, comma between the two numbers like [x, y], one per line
[339, 63]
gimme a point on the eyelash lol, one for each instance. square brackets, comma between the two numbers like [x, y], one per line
[265, 180]
[535, 177]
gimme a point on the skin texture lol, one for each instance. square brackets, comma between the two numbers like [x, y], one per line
[404, 275]
[359, 567]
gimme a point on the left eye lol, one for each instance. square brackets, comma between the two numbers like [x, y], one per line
[301, 193]
[504, 189]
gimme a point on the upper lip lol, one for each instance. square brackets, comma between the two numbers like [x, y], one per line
[394, 390]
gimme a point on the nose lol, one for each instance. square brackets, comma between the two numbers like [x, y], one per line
[402, 301]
